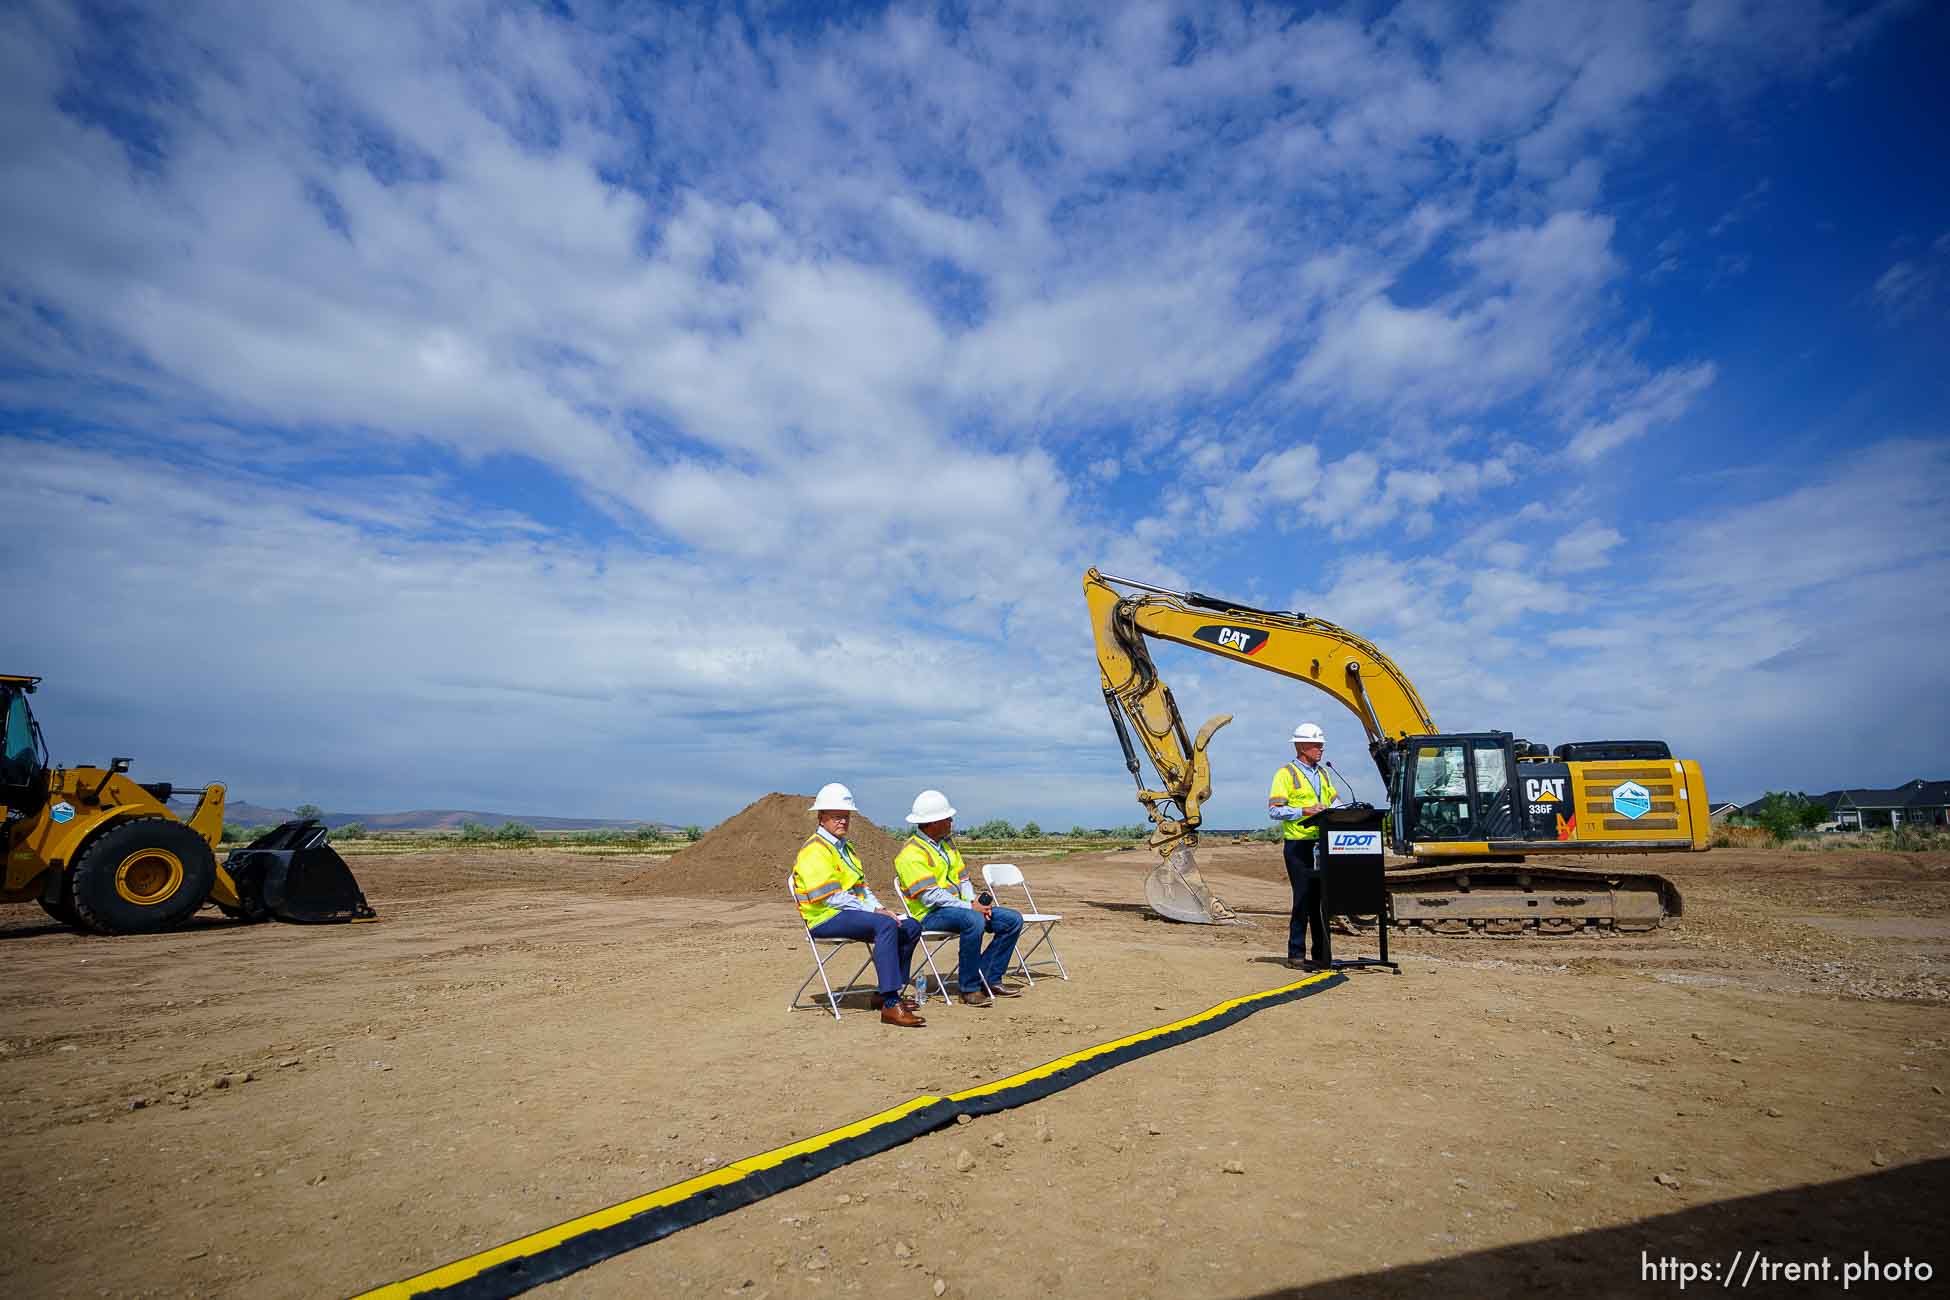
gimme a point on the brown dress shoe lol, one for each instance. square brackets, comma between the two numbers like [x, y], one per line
[1005, 991]
[975, 998]
[897, 1013]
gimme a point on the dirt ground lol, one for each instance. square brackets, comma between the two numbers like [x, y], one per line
[521, 1041]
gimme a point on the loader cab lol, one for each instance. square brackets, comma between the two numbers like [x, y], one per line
[23, 755]
[1453, 788]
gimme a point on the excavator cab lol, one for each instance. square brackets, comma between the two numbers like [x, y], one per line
[1454, 788]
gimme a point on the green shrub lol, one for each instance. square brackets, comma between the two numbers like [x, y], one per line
[1783, 814]
[620, 836]
[476, 833]
[515, 833]
[350, 831]
[995, 828]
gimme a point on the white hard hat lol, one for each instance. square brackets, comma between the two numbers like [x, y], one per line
[1309, 733]
[834, 797]
[930, 806]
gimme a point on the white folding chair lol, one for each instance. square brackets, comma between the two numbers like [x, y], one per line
[997, 874]
[932, 942]
[833, 947]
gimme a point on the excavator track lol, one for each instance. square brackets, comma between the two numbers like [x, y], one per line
[1530, 900]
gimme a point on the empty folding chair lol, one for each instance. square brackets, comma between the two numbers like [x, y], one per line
[998, 874]
[832, 949]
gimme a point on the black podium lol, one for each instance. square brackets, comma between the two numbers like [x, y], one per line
[1347, 854]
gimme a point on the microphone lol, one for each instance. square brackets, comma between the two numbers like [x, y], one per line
[1338, 777]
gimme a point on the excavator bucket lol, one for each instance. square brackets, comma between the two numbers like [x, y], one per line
[293, 874]
[1177, 892]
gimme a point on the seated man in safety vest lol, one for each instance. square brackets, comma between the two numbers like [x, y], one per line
[932, 881]
[833, 897]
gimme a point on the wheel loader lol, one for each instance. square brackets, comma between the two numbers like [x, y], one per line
[1476, 815]
[106, 854]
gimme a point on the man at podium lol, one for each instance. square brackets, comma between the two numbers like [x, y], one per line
[1301, 789]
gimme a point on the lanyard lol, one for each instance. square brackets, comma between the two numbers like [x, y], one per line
[940, 853]
[846, 854]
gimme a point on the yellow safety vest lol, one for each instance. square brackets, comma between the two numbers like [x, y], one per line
[1292, 785]
[921, 865]
[820, 872]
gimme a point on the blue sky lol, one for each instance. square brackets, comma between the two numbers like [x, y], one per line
[628, 412]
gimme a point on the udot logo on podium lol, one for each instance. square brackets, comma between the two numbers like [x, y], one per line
[1354, 841]
[1631, 800]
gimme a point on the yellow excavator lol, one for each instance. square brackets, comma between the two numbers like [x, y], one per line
[106, 854]
[1469, 812]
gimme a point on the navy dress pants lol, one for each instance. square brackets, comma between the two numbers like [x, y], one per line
[1308, 903]
[893, 943]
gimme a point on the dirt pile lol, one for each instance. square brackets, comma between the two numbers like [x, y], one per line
[749, 855]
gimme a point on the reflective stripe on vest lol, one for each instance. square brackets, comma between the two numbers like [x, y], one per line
[1319, 791]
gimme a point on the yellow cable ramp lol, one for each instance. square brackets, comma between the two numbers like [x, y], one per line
[553, 1253]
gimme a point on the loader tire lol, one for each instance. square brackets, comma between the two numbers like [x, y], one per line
[142, 875]
[62, 909]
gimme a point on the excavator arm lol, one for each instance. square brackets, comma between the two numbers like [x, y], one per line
[1310, 650]
[1323, 655]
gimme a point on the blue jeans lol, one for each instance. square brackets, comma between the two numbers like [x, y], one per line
[893, 943]
[976, 965]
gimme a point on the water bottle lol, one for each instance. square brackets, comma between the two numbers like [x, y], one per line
[921, 989]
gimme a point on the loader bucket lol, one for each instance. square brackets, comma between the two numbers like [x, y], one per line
[293, 874]
[1177, 892]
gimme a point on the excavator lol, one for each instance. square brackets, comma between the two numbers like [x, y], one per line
[1470, 814]
[106, 854]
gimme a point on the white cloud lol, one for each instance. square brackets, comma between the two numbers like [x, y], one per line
[1661, 400]
[535, 360]
[1531, 296]
[1588, 546]
[431, 661]
[1911, 286]
[1759, 624]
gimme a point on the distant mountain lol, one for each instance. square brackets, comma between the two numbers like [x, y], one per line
[240, 813]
